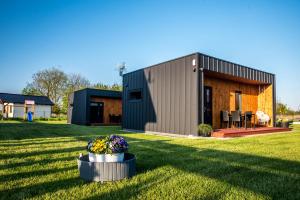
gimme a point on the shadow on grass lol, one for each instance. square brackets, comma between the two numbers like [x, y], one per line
[20, 175]
[39, 153]
[25, 144]
[25, 130]
[35, 190]
[33, 162]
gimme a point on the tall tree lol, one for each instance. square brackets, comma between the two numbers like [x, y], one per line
[281, 108]
[101, 86]
[116, 87]
[31, 90]
[75, 82]
[49, 82]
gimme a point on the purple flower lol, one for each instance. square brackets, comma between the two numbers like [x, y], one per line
[117, 144]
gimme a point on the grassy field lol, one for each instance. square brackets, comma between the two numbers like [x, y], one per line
[38, 161]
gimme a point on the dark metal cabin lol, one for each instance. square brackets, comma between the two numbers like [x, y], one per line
[177, 95]
[94, 106]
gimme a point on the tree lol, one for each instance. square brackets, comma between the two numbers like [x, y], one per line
[281, 108]
[57, 85]
[102, 86]
[75, 82]
[116, 87]
[49, 82]
[30, 90]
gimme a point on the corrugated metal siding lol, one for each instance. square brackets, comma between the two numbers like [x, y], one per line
[170, 98]
[79, 108]
[221, 66]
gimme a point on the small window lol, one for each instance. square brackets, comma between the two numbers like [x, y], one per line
[10, 109]
[238, 100]
[135, 95]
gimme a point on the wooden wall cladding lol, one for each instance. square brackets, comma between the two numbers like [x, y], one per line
[223, 92]
[265, 102]
[254, 97]
[111, 106]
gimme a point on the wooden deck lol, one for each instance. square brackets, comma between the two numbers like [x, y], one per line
[240, 132]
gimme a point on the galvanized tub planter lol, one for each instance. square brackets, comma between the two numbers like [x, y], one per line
[106, 171]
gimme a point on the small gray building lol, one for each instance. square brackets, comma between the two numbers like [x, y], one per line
[177, 95]
[18, 105]
[95, 107]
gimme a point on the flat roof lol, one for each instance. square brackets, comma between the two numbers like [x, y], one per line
[20, 98]
[198, 53]
[102, 92]
[221, 66]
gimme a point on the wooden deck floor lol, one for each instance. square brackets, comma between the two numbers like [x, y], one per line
[240, 132]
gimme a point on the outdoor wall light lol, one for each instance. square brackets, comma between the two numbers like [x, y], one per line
[194, 62]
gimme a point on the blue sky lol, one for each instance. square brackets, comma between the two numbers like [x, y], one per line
[92, 37]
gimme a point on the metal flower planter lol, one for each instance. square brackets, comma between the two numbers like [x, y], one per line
[106, 171]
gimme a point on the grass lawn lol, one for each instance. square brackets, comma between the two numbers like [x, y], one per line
[38, 160]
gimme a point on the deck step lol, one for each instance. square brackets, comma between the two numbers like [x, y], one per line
[244, 132]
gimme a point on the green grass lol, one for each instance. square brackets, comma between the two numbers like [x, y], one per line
[38, 161]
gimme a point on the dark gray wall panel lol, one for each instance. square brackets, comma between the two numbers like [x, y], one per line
[170, 98]
[79, 108]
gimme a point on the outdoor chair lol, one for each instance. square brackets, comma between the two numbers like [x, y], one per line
[248, 116]
[115, 118]
[225, 118]
[262, 118]
[236, 118]
[112, 118]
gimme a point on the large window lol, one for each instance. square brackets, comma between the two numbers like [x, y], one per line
[135, 95]
[238, 100]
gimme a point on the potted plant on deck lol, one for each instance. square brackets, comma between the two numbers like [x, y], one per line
[107, 149]
[205, 130]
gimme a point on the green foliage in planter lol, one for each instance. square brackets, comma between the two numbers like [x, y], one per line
[205, 130]
[285, 123]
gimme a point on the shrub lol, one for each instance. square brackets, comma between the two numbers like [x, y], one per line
[41, 119]
[15, 119]
[205, 130]
[284, 123]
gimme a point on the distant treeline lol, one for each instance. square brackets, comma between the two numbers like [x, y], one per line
[283, 109]
[57, 85]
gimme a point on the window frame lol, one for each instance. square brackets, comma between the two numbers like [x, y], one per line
[238, 101]
[135, 90]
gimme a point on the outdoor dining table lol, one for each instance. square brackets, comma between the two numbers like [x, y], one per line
[245, 118]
